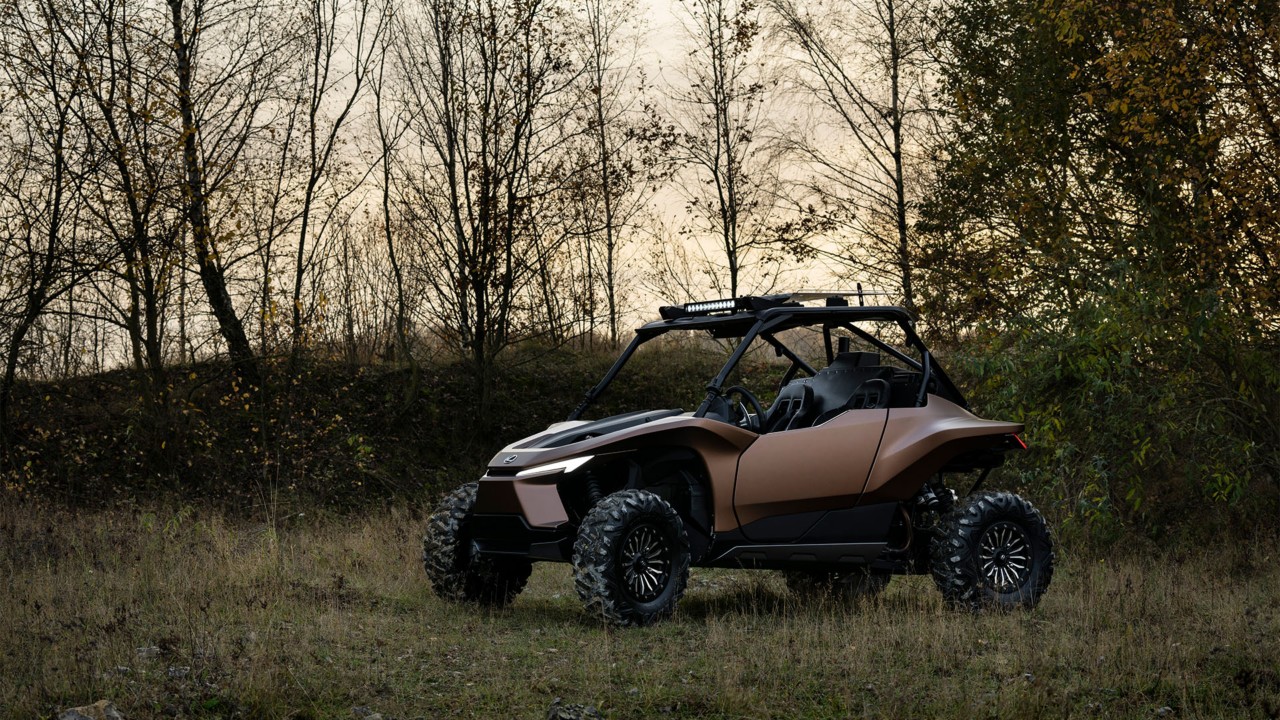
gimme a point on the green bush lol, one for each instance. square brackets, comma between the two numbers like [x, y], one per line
[330, 435]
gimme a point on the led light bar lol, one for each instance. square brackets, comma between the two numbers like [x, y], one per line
[747, 303]
[709, 306]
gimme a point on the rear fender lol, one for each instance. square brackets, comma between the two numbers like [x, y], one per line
[919, 442]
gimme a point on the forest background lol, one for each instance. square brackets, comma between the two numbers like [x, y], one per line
[274, 274]
[250, 247]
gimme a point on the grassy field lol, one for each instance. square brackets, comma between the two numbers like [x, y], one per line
[187, 614]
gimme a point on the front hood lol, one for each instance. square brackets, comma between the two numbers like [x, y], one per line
[534, 449]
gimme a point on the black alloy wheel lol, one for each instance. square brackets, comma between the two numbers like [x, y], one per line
[645, 558]
[992, 551]
[631, 559]
[1005, 554]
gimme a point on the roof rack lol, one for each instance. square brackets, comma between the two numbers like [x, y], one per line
[756, 303]
[828, 295]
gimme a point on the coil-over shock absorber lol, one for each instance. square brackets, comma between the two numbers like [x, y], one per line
[936, 496]
[593, 490]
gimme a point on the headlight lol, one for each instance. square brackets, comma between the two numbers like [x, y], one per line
[566, 466]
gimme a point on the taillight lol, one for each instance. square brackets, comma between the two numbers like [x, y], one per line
[1020, 441]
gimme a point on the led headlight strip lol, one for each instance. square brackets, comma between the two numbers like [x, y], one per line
[566, 466]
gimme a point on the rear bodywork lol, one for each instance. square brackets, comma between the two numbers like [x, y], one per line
[840, 487]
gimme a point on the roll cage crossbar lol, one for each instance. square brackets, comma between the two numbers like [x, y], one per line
[750, 318]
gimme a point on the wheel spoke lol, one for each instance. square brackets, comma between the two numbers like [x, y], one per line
[1004, 553]
[646, 563]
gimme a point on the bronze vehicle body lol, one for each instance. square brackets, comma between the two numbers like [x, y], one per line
[840, 482]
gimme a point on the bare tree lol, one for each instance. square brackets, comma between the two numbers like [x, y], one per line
[390, 127]
[712, 132]
[38, 194]
[612, 79]
[485, 83]
[129, 180]
[865, 63]
[329, 89]
[226, 60]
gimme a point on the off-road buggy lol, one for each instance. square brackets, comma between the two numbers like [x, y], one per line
[839, 482]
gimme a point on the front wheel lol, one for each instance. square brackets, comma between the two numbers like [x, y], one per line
[993, 551]
[631, 559]
[455, 571]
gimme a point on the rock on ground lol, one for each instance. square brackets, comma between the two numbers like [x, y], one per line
[560, 711]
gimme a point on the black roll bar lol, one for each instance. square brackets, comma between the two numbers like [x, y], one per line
[924, 380]
[713, 387]
[789, 354]
[600, 387]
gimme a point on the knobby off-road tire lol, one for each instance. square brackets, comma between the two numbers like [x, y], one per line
[455, 572]
[847, 586]
[993, 551]
[631, 559]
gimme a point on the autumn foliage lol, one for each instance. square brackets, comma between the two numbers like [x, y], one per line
[1103, 245]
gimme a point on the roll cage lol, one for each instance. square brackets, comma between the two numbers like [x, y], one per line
[763, 317]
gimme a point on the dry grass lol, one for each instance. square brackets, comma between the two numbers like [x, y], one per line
[187, 614]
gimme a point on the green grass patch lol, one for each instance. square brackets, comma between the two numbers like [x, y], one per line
[191, 614]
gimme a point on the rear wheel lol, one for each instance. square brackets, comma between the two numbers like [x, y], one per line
[846, 586]
[456, 572]
[631, 559]
[993, 551]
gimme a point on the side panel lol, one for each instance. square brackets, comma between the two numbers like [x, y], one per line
[919, 441]
[864, 523]
[807, 470]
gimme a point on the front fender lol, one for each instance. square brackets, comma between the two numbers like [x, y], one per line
[717, 444]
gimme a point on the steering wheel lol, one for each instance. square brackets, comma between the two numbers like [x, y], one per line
[747, 420]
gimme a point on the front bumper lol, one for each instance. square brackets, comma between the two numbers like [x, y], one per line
[511, 535]
[522, 517]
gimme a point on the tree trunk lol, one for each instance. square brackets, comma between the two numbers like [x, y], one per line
[212, 276]
[899, 179]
